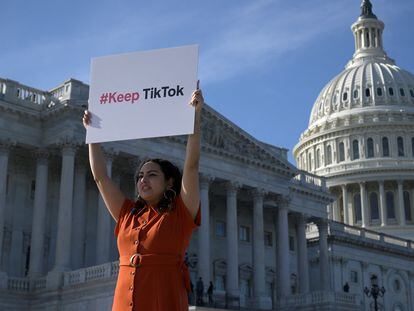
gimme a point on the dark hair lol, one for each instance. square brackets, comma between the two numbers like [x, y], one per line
[170, 171]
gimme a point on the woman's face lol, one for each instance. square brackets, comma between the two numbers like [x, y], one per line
[151, 183]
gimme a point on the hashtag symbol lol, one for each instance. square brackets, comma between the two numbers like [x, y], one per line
[104, 98]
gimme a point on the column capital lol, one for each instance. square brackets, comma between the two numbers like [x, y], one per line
[381, 182]
[283, 201]
[362, 183]
[301, 218]
[232, 186]
[6, 145]
[41, 155]
[400, 182]
[110, 153]
[134, 163]
[322, 223]
[205, 179]
[344, 186]
[257, 193]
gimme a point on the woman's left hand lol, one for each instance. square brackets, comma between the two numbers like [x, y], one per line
[197, 99]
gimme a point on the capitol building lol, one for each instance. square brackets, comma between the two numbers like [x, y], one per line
[273, 236]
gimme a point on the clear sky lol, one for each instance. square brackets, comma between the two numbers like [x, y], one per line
[262, 62]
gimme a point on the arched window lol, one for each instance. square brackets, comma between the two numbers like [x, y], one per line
[412, 93]
[400, 144]
[328, 155]
[373, 204]
[355, 149]
[370, 148]
[402, 93]
[407, 206]
[356, 94]
[310, 162]
[318, 156]
[345, 96]
[357, 208]
[379, 91]
[367, 92]
[390, 205]
[391, 91]
[385, 147]
[341, 152]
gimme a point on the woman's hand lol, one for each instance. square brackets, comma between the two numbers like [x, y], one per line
[86, 118]
[197, 99]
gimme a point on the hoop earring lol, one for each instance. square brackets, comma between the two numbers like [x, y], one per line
[170, 194]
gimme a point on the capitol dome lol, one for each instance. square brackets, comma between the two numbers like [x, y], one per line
[360, 136]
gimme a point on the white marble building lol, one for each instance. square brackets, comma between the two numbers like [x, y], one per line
[361, 137]
[265, 239]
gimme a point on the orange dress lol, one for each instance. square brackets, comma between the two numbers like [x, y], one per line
[157, 279]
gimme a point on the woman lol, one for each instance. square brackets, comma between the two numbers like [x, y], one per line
[154, 231]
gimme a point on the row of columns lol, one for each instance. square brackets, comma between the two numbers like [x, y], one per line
[382, 204]
[258, 250]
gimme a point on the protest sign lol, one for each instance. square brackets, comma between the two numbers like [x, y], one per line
[142, 94]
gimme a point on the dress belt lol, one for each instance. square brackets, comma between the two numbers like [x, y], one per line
[141, 260]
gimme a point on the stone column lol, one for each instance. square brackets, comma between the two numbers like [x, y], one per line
[401, 203]
[364, 211]
[204, 260]
[345, 202]
[303, 263]
[103, 221]
[4, 160]
[283, 249]
[325, 278]
[382, 203]
[259, 274]
[63, 235]
[39, 216]
[79, 215]
[232, 284]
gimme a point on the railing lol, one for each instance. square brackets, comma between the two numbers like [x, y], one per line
[15, 91]
[85, 275]
[318, 297]
[18, 284]
[308, 179]
[340, 229]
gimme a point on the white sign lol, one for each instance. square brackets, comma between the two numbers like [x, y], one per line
[142, 94]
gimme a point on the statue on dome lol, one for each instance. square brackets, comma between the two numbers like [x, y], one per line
[366, 10]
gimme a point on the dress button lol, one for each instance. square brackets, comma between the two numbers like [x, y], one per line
[132, 272]
[131, 288]
[144, 222]
[135, 229]
[130, 304]
[136, 242]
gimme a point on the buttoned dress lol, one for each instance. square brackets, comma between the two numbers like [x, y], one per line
[157, 279]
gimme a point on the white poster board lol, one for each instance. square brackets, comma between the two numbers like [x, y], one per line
[142, 94]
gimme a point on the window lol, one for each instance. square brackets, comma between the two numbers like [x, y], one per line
[341, 152]
[345, 96]
[291, 243]
[329, 154]
[355, 149]
[245, 288]
[370, 148]
[412, 93]
[356, 94]
[220, 228]
[379, 91]
[385, 147]
[391, 91]
[353, 276]
[390, 205]
[367, 92]
[318, 155]
[407, 206]
[219, 282]
[309, 162]
[412, 146]
[357, 208]
[373, 204]
[244, 233]
[402, 93]
[400, 144]
[268, 238]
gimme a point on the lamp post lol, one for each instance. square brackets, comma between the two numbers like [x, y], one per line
[374, 291]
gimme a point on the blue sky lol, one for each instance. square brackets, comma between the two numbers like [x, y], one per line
[262, 63]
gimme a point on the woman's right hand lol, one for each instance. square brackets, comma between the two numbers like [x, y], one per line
[86, 118]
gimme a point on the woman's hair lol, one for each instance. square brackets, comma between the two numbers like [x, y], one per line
[170, 171]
